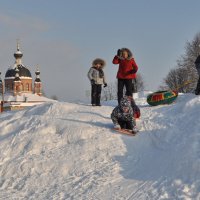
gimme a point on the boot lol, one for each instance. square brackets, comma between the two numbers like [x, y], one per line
[98, 98]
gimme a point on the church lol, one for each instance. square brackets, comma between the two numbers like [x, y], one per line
[19, 89]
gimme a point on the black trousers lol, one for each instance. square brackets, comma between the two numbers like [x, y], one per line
[134, 86]
[125, 125]
[96, 94]
[197, 91]
[128, 85]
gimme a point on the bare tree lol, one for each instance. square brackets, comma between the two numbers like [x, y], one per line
[110, 92]
[184, 77]
[140, 83]
[177, 79]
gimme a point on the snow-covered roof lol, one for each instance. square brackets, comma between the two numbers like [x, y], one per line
[28, 97]
[21, 77]
[18, 52]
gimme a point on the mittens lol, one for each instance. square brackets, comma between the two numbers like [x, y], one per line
[119, 52]
[133, 71]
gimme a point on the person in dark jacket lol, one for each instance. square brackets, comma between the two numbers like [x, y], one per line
[123, 116]
[197, 65]
[97, 78]
[126, 72]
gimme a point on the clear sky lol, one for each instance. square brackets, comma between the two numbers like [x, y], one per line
[64, 36]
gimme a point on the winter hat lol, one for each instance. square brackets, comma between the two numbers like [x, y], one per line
[125, 103]
[99, 61]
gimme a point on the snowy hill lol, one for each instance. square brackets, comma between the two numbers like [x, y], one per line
[68, 151]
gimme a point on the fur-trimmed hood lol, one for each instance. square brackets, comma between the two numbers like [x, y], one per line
[99, 60]
[130, 55]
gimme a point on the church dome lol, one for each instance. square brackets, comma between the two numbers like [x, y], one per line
[23, 72]
[37, 76]
[18, 54]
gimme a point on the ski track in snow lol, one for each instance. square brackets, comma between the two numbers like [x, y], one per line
[68, 151]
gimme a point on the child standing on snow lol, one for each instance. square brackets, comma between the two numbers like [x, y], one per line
[97, 78]
[126, 73]
[123, 116]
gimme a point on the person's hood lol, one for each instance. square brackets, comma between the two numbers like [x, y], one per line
[130, 55]
[99, 60]
[125, 102]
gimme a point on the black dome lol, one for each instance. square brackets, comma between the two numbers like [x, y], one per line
[23, 71]
[37, 80]
[18, 54]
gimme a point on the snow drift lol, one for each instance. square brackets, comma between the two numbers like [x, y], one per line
[68, 151]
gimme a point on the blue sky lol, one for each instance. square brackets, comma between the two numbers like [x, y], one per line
[64, 36]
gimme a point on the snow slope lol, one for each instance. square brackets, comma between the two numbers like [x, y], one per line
[68, 151]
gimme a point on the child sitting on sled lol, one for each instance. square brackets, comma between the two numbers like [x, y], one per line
[123, 116]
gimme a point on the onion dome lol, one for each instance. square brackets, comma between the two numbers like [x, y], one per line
[37, 76]
[22, 71]
[18, 53]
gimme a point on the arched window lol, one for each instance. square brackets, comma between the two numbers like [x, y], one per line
[18, 88]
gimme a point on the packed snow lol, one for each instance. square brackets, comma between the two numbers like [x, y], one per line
[62, 150]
